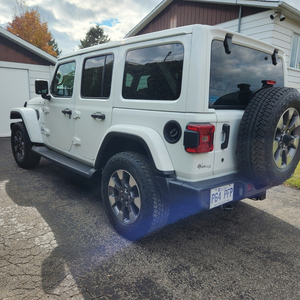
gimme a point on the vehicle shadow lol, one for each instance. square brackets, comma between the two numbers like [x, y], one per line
[240, 254]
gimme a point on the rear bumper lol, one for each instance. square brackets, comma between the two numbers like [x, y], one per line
[198, 193]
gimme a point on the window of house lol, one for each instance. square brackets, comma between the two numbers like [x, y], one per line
[295, 52]
[62, 85]
[96, 77]
[153, 73]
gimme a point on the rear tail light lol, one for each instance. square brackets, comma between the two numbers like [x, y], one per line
[198, 138]
[249, 187]
[268, 83]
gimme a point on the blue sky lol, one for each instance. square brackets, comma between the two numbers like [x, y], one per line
[69, 20]
[109, 22]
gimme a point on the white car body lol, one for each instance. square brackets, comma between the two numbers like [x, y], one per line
[90, 130]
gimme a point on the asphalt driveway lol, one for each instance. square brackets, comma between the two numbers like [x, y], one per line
[57, 243]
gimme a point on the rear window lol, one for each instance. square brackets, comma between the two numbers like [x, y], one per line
[153, 73]
[235, 76]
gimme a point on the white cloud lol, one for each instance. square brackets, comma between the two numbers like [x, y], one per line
[69, 20]
[6, 12]
[74, 18]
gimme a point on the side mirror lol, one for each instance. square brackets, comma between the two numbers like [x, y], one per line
[41, 88]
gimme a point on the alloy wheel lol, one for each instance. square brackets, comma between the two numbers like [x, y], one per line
[124, 196]
[286, 139]
[19, 146]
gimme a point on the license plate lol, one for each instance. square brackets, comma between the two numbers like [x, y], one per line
[221, 195]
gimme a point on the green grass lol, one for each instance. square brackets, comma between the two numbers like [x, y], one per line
[295, 180]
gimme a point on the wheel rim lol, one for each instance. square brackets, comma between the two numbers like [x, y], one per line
[286, 139]
[124, 196]
[19, 146]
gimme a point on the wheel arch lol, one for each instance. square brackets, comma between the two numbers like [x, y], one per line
[30, 118]
[141, 140]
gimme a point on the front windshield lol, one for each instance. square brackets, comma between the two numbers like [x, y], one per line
[235, 76]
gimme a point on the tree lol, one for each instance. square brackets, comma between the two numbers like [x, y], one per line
[28, 26]
[54, 46]
[94, 36]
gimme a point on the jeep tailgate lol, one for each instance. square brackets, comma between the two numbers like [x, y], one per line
[225, 141]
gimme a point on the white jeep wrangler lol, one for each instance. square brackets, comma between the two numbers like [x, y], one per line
[194, 114]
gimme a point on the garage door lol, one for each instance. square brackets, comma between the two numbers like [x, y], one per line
[14, 89]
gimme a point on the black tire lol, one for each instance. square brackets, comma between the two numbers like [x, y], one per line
[131, 196]
[21, 147]
[268, 141]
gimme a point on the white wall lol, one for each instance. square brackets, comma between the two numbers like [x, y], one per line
[274, 32]
[284, 33]
[16, 87]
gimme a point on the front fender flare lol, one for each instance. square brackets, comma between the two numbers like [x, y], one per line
[153, 141]
[30, 118]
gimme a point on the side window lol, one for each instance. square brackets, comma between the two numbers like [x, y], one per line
[295, 52]
[63, 82]
[153, 73]
[96, 77]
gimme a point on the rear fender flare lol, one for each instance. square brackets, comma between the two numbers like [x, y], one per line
[151, 138]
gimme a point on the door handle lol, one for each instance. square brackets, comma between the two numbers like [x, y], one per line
[226, 130]
[98, 115]
[67, 111]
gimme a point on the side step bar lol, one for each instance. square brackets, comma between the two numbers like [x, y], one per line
[64, 161]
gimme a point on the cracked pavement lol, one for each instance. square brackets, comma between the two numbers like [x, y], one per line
[57, 243]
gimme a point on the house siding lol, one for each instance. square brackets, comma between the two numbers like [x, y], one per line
[181, 13]
[11, 52]
[34, 72]
[283, 38]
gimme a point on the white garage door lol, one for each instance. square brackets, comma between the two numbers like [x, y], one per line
[14, 91]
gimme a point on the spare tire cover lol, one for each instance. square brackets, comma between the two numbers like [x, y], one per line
[268, 147]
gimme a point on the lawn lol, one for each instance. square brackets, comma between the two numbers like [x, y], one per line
[295, 180]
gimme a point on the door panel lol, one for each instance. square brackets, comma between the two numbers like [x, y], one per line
[92, 115]
[58, 117]
[60, 125]
[90, 130]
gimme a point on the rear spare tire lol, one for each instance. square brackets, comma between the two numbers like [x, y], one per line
[268, 140]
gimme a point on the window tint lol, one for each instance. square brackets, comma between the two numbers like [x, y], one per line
[62, 85]
[295, 52]
[153, 73]
[234, 77]
[96, 77]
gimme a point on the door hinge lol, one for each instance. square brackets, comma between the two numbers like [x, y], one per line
[45, 131]
[45, 110]
[76, 114]
[76, 141]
